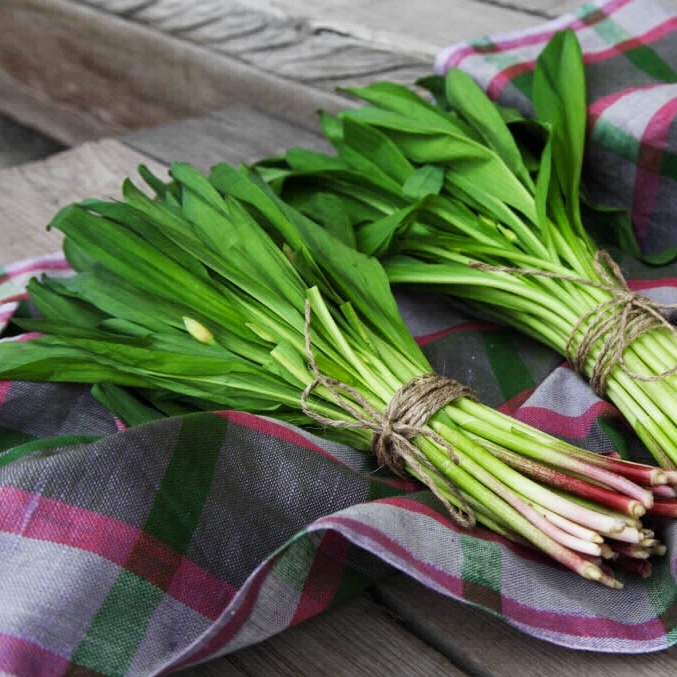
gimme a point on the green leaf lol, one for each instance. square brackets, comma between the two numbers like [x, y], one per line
[386, 119]
[400, 99]
[472, 167]
[332, 128]
[466, 98]
[375, 237]
[137, 261]
[368, 150]
[426, 180]
[560, 100]
[124, 404]
[435, 85]
[328, 210]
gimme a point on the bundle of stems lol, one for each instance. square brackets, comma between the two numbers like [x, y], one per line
[215, 294]
[472, 199]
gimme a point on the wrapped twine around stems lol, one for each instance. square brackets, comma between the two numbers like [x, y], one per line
[404, 418]
[617, 322]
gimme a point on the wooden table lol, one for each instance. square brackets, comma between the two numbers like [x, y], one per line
[251, 75]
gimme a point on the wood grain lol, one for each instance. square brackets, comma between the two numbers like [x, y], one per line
[32, 193]
[105, 67]
[237, 134]
[97, 74]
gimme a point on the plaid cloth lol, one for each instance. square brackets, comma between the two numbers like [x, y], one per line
[138, 551]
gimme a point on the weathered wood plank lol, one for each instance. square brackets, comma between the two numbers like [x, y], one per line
[32, 193]
[97, 74]
[422, 28]
[108, 66]
[236, 134]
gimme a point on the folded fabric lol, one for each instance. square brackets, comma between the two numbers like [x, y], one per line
[137, 551]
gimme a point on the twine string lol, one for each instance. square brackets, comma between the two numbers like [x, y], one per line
[616, 322]
[404, 418]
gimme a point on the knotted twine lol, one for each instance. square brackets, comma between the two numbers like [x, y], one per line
[403, 419]
[617, 321]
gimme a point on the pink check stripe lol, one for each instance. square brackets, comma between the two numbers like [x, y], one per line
[277, 430]
[34, 516]
[597, 108]
[581, 626]
[391, 551]
[22, 658]
[31, 515]
[653, 34]
[473, 325]
[504, 77]
[4, 390]
[649, 164]
[574, 625]
[513, 404]
[529, 37]
[6, 310]
[52, 262]
[643, 285]
[324, 576]
[229, 625]
[554, 423]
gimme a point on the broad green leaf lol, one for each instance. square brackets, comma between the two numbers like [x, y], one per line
[309, 161]
[400, 99]
[541, 196]
[435, 85]
[471, 165]
[52, 303]
[387, 119]
[136, 261]
[43, 359]
[125, 405]
[328, 210]
[370, 151]
[357, 278]
[332, 128]
[426, 180]
[560, 100]
[375, 238]
[466, 97]
[138, 222]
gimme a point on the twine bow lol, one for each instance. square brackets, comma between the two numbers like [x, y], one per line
[616, 322]
[403, 419]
